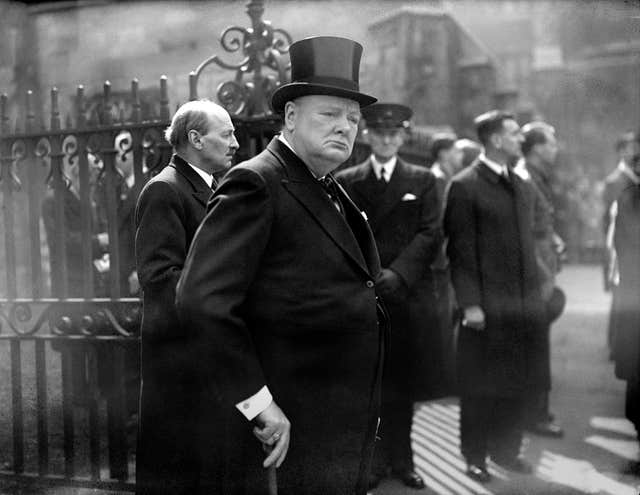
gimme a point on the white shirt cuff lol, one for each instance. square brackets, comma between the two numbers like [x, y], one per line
[255, 404]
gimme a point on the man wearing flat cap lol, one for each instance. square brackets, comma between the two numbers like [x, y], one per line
[278, 292]
[403, 207]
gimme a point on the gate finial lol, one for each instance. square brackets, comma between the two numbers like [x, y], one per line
[263, 47]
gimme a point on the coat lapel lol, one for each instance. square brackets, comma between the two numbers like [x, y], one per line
[308, 192]
[392, 194]
[201, 190]
[363, 186]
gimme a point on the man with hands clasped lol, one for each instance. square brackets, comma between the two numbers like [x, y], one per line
[403, 207]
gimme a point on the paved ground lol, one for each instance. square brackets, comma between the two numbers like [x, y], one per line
[586, 398]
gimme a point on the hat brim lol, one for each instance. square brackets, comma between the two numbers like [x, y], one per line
[294, 90]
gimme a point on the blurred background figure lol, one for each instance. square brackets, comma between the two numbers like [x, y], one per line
[626, 335]
[540, 149]
[470, 151]
[488, 221]
[75, 268]
[125, 208]
[73, 230]
[615, 182]
[402, 204]
[447, 161]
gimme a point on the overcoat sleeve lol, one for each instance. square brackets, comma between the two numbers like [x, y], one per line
[161, 240]
[461, 229]
[220, 267]
[412, 261]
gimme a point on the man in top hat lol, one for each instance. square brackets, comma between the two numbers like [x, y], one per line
[278, 293]
[402, 205]
[489, 222]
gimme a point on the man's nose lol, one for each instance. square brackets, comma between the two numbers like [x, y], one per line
[234, 143]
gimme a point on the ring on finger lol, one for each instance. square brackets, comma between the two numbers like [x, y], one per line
[276, 436]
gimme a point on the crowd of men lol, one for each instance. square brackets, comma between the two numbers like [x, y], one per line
[295, 310]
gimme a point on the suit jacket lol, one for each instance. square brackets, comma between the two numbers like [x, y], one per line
[169, 210]
[278, 290]
[490, 228]
[405, 219]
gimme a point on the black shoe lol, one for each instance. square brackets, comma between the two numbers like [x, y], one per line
[478, 472]
[546, 429]
[515, 464]
[411, 479]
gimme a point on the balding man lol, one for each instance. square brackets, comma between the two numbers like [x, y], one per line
[169, 210]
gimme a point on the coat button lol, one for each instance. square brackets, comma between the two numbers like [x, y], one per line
[245, 405]
[370, 284]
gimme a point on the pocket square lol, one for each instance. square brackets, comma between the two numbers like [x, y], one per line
[409, 197]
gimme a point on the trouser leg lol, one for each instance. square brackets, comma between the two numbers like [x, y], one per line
[506, 427]
[473, 428]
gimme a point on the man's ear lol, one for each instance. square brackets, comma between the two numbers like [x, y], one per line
[496, 140]
[290, 114]
[195, 139]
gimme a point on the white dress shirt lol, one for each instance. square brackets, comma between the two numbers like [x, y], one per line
[496, 167]
[389, 166]
[208, 178]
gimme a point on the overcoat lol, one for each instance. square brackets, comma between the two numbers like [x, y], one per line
[169, 210]
[489, 224]
[627, 244]
[405, 219]
[278, 290]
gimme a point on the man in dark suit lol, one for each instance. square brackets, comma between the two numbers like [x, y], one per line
[540, 149]
[279, 297]
[169, 210]
[401, 202]
[489, 223]
[626, 346]
[614, 183]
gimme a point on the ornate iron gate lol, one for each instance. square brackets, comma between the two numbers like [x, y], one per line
[69, 329]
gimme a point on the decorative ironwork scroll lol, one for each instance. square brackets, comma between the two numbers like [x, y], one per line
[263, 46]
[70, 317]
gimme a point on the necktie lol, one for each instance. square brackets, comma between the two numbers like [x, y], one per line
[383, 174]
[331, 188]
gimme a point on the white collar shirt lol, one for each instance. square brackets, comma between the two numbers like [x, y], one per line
[388, 166]
[208, 178]
[494, 166]
[626, 170]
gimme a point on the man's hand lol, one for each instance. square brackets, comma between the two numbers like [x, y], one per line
[103, 239]
[473, 318]
[134, 283]
[273, 430]
[389, 282]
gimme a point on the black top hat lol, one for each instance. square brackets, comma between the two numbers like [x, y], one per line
[323, 65]
[387, 116]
